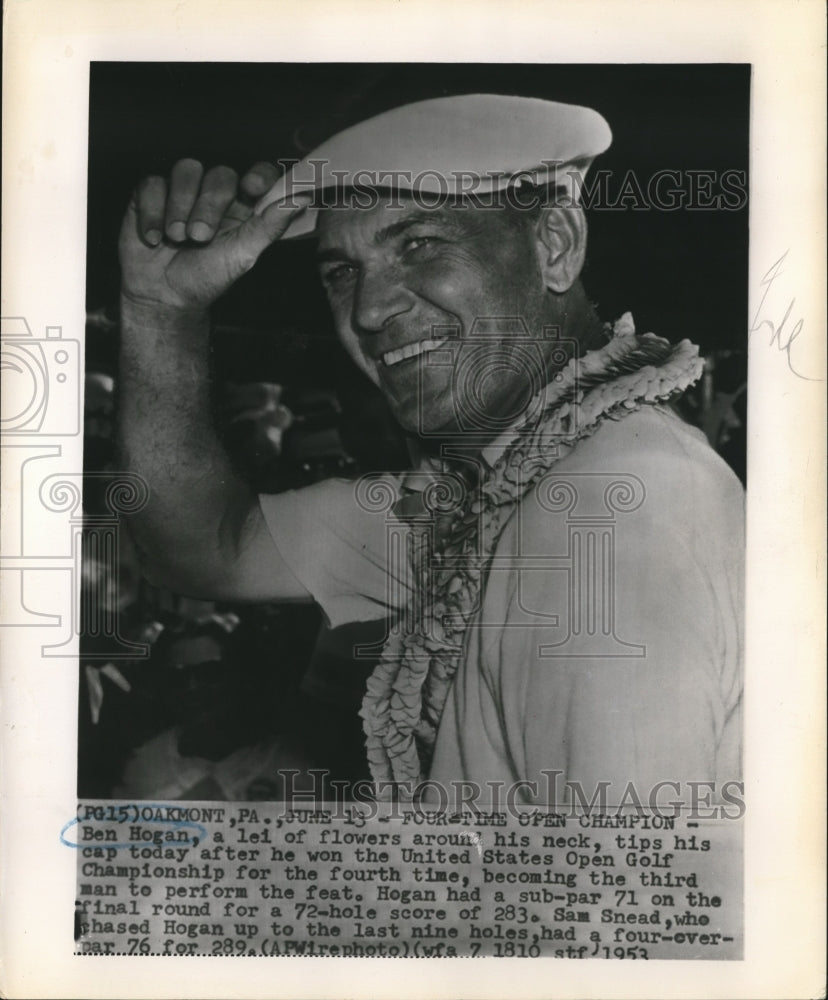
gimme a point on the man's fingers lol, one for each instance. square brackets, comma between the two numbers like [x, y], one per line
[195, 205]
[258, 180]
[185, 183]
[218, 191]
[149, 201]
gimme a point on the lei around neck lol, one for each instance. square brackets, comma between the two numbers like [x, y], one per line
[408, 688]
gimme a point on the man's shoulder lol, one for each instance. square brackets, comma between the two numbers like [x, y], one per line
[650, 463]
[656, 443]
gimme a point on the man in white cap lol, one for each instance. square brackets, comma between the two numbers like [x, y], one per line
[564, 567]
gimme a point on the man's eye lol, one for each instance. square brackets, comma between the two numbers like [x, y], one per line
[338, 275]
[415, 243]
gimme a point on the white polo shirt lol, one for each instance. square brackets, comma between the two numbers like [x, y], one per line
[608, 644]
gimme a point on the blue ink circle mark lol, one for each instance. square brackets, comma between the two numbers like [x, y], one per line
[198, 836]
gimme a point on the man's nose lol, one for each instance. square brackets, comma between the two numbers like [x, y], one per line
[380, 297]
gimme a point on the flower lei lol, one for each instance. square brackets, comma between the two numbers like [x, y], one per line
[409, 686]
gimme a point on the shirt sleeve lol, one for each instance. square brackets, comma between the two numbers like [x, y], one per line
[343, 543]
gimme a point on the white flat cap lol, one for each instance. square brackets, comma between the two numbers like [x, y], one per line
[472, 144]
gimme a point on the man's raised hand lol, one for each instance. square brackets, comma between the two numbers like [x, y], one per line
[185, 240]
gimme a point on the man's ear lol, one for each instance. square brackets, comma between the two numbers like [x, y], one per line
[561, 234]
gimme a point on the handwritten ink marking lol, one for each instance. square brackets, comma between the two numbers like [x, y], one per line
[784, 340]
[139, 820]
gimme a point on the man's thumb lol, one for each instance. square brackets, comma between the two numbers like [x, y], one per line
[262, 230]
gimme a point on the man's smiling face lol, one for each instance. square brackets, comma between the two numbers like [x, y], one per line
[397, 276]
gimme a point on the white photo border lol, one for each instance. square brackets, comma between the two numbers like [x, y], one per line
[49, 45]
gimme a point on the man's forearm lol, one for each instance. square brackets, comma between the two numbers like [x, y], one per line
[197, 503]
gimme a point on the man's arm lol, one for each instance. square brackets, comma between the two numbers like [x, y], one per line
[183, 243]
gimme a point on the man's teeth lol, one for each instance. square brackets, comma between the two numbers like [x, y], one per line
[410, 351]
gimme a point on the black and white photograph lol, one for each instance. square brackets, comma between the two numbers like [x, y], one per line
[407, 513]
[290, 420]
[423, 393]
